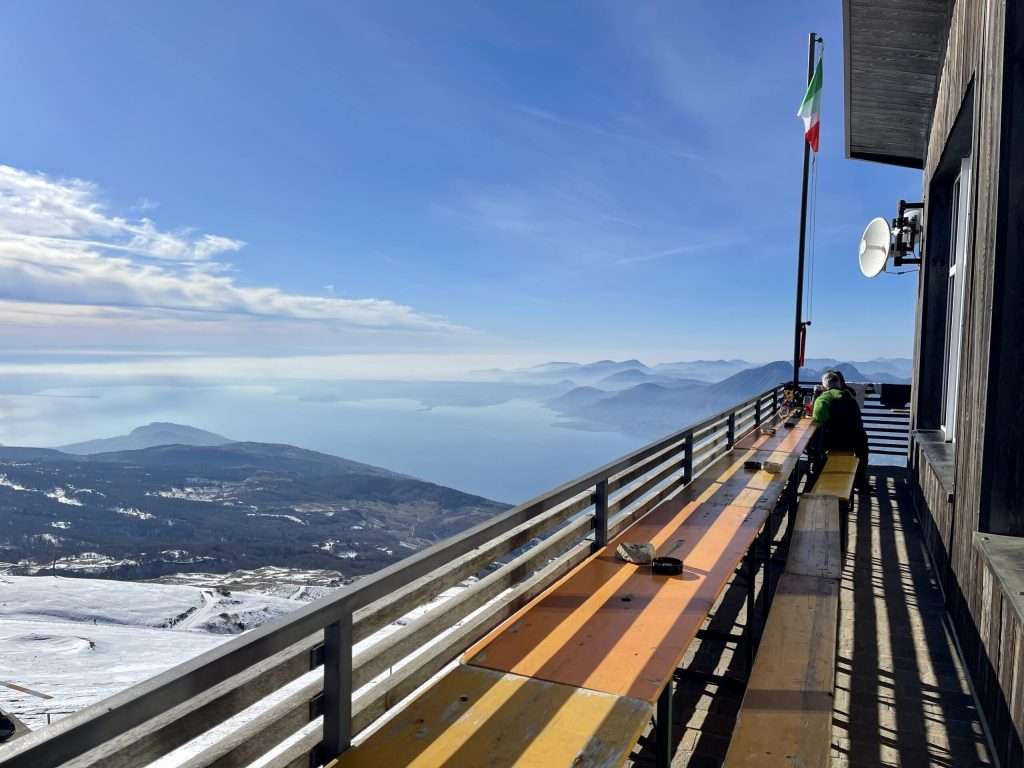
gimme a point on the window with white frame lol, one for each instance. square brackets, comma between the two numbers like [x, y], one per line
[958, 236]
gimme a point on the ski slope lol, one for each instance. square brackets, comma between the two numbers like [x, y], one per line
[80, 640]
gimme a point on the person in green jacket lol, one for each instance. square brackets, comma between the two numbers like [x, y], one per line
[838, 416]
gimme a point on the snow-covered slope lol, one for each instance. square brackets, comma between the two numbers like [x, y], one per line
[81, 640]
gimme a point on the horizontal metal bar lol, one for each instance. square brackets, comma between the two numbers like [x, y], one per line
[410, 638]
[648, 465]
[90, 727]
[709, 458]
[631, 495]
[387, 694]
[369, 619]
[713, 634]
[710, 677]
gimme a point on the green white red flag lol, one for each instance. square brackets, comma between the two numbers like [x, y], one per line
[810, 108]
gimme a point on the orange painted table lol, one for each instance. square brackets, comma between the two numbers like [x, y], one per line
[571, 678]
[615, 627]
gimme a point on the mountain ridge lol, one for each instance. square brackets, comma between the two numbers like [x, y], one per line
[166, 509]
[147, 436]
[655, 408]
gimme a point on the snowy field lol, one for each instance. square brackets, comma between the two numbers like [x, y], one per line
[81, 640]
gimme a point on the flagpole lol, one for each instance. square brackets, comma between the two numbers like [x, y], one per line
[812, 39]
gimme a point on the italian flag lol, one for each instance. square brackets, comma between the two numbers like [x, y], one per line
[810, 108]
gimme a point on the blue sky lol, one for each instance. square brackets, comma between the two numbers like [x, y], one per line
[452, 183]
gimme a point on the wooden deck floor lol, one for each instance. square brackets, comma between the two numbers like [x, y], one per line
[902, 697]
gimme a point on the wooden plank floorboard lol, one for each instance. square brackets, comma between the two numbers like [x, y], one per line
[902, 696]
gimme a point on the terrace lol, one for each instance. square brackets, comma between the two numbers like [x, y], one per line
[559, 682]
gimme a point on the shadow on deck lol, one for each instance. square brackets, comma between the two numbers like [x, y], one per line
[902, 696]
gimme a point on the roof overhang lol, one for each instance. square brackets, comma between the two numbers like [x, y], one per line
[893, 52]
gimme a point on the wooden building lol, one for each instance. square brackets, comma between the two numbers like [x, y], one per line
[939, 85]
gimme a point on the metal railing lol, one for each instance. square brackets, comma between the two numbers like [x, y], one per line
[888, 428]
[502, 564]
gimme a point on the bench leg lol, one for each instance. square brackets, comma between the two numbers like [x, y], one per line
[766, 537]
[751, 574]
[663, 729]
[844, 529]
[791, 516]
[789, 502]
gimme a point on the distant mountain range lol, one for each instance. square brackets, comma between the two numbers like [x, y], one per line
[169, 498]
[616, 373]
[646, 401]
[148, 512]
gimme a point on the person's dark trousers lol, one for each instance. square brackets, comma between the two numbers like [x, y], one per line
[860, 481]
[816, 455]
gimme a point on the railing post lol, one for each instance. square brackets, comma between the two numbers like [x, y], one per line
[757, 412]
[775, 401]
[601, 514]
[730, 434]
[337, 686]
[688, 459]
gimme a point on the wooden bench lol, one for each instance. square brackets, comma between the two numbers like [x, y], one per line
[836, 480]
[786, 716]
[815, 547]
[838, 476]
[574, 676]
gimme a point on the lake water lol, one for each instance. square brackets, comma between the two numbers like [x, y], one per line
[508, 452]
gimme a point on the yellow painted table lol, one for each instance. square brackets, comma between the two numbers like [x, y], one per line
[478, 718]
[784, 439]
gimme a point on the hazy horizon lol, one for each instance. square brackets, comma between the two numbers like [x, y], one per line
[499, 436]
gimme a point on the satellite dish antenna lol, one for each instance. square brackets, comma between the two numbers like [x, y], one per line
[874, 247]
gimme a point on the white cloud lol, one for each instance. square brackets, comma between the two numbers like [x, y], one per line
[64, 259]
[145, 204]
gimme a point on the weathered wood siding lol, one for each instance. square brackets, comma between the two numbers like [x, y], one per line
[985, 614]
[973, 59]
[931, 495]
[996, 653]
